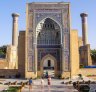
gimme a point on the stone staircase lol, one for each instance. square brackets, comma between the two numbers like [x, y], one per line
[50, 72]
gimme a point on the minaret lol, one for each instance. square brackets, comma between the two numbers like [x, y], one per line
[15, 29]
[84, 28]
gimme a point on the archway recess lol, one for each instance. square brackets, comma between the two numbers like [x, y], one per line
[52, 68]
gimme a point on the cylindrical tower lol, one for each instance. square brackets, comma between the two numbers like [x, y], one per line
[84, 28]
[15, 29]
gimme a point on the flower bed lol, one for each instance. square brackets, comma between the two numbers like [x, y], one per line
[91, 75]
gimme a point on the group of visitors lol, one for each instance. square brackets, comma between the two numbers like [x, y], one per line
[42, 83]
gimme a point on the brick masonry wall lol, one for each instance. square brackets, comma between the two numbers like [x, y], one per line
[85, 57]
[74, 52]
[80, 42]
[8, 73]
[88, 71]
[4, 64]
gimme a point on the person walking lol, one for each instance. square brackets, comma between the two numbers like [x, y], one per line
[30, 85]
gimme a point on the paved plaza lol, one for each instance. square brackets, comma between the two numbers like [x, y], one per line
[56, 86]
[52, 88]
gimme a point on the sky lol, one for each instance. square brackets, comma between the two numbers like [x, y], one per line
[7, 7]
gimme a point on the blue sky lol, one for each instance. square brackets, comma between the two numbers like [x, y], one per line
[7, 7]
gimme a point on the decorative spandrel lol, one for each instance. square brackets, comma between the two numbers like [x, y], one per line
[41, 16]
[67, 63]
[30, 40]
[66, 41]
[30, 45]
[30, 63]
[30, 19]
[30, 51]
[43, 52]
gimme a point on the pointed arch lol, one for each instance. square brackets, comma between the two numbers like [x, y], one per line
[42, 21]
[44, 36]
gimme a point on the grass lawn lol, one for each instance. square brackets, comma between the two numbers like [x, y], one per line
[13, 89]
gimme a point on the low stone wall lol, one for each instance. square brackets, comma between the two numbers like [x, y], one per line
[88, 72]
[7, 73]
[66, 75]
[30, 74]
[4, 64]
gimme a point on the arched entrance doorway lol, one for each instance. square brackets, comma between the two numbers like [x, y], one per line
[48, 64]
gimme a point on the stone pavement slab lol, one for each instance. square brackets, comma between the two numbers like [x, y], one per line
[3, 87]
[56, 86]
[52, 88]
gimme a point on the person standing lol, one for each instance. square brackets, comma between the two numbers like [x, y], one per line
[49, 80]
[42, 83]
[30, 85]
[46, 74]
[49, 83]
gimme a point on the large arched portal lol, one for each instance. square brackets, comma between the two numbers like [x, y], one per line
[48, 44]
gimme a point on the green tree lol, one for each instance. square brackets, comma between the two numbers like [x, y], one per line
[3, 51]
[93, 55]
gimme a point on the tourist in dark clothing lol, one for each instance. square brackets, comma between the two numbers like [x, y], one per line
[46, 74]
[30, 85]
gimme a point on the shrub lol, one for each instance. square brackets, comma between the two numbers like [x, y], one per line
[80, 76]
